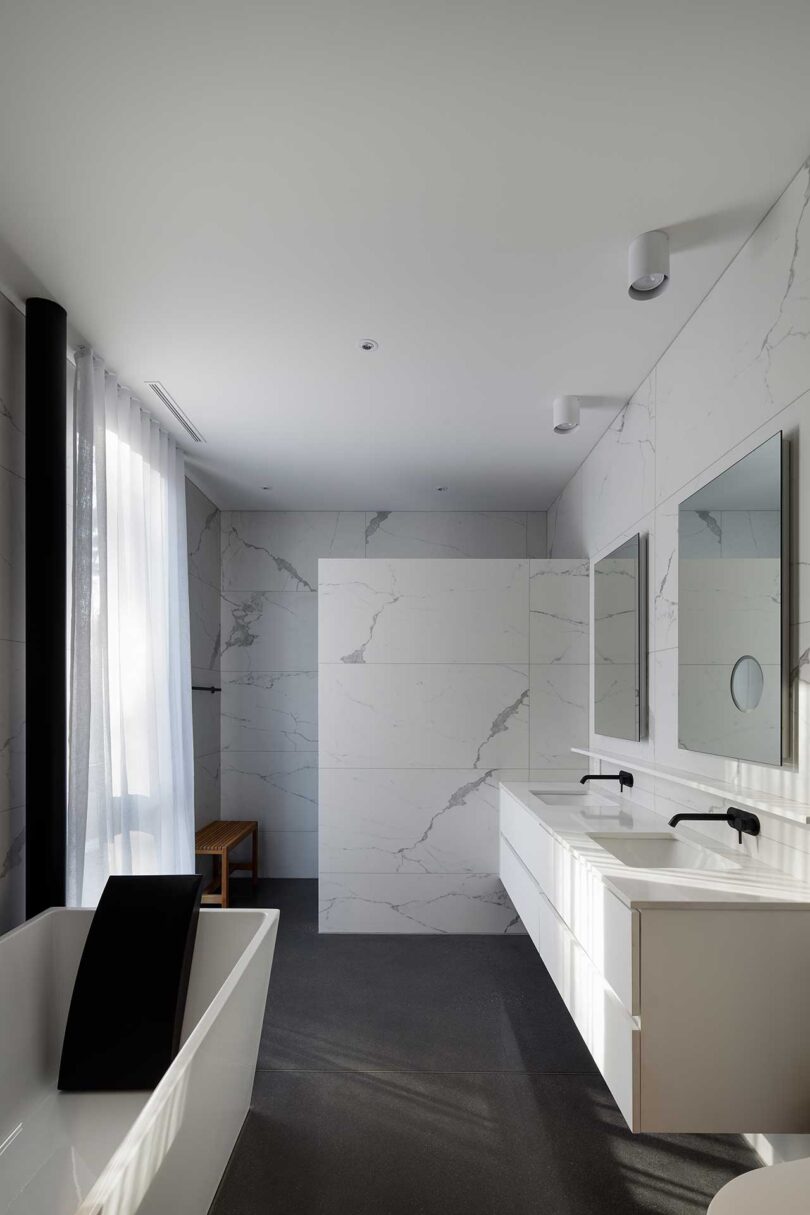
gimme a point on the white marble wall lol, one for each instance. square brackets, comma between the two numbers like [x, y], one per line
[12, 617]
[436, 680]
[269, 647]
[737, 373]
[203, 525]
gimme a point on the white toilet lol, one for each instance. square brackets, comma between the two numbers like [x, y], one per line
[779, 1189]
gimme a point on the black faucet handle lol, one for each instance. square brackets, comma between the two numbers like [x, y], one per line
[742, 821]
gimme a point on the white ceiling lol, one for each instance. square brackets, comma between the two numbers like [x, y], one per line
[227, 197]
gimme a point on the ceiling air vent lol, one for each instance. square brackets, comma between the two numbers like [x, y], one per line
[168, 400]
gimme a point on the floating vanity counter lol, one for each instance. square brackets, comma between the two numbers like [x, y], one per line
[686, 968]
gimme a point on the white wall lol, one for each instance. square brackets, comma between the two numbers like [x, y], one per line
[738, 372]
[437, 679]
[204, 562]
[269, 647]
[12, 616]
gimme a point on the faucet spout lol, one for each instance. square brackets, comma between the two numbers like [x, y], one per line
[625, 779]
[741, 821]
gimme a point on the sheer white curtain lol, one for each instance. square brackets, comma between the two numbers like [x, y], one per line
[131, 790]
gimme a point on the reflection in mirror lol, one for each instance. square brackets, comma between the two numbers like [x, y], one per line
[747, 683]
[731, 674]
[620, 642]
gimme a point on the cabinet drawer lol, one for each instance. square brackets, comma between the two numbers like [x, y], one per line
[609, 1031]
[606, 928]
[529, 840]
[522, 890]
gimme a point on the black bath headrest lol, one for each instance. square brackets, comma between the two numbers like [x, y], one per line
[126, 1012]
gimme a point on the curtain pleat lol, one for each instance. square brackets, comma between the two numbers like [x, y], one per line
[131, 783]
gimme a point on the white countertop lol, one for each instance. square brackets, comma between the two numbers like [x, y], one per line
[607, 813]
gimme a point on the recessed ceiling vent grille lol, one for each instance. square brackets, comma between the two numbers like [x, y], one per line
[168, 400]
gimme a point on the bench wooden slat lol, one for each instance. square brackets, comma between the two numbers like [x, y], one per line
[216, 839]
[225, 833]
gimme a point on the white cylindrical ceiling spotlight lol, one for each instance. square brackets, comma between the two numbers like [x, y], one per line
[566, 414]
[648, 265]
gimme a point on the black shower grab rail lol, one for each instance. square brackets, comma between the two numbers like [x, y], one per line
[200, 687]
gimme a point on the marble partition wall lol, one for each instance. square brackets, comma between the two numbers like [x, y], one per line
[12, 617]
[437, 679]
[269, 646]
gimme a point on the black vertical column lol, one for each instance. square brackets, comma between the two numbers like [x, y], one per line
[45, 600]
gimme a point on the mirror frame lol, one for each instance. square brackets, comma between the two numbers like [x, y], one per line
[784, 613]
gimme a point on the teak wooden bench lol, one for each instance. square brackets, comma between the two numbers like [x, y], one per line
[216, 840]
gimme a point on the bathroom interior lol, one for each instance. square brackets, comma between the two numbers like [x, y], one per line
[404, 608]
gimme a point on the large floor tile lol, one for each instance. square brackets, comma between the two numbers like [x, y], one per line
[439, 1076]
[416, 1002]
[385, 1143]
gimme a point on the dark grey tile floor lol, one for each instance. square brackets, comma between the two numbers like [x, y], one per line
[431, 1075]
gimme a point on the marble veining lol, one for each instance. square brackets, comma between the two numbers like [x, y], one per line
[450, 715]
[423, 706]
[407, 610]
[409, 821]
[274, 711]
[203, 524]
[268, 631]
[359, 655]
[375, 523]
[279, 789]
[500, 723]
[14, 854]
[483, 534]
[279, 550]
[416, 903]
[735, 375]
[282, 565]
[730, 533]
[270, 650]
[784, 327]
[559, 611]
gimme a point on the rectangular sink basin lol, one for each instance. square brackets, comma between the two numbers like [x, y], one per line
[663, 852]
[570, 797]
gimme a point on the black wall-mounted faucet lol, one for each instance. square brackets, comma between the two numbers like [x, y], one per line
[739, 820]
[625, 779]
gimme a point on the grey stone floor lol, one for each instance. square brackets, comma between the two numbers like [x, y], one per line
[436, 1075]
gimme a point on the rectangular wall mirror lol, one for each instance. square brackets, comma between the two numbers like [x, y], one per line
[620, 642]
[732, 635]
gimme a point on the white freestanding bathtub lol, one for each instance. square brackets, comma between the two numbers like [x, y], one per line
[158, 1153]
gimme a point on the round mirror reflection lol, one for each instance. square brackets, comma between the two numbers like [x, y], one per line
[747, 682]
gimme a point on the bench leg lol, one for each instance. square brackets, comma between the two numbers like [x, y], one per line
[255, 858]
[225, 871]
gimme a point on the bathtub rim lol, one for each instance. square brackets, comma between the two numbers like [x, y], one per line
[118, 1164]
